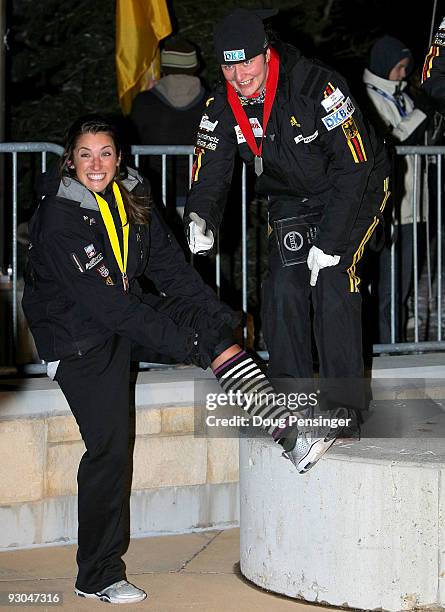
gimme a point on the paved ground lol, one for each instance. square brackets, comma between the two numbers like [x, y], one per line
[197, 571]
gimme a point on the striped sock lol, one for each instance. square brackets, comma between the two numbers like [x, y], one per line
[241, 373]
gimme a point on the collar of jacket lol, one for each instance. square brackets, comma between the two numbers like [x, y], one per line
[385, 85]
[289, 57]
[71, 189]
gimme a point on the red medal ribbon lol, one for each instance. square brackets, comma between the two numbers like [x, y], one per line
[240, 113]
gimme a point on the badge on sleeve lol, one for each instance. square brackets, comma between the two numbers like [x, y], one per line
[90, 250]
[340, 115]
[354, 140]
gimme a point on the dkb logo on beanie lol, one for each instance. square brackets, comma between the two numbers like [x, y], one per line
[234, 56]
[240, 35]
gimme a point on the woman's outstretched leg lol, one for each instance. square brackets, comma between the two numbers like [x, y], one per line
[238, 372]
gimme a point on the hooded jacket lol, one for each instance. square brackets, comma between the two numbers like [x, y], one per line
[395, 116]
[169, 114]
[399, 128]
[318, 153]
[381, 93]
[74, 297]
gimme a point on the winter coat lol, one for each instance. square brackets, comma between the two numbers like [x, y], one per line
[433, 74]
[318, 153]
[399, 126]
[74, 297]
[169, 114]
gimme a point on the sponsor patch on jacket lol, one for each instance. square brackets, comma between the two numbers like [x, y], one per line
[239, 135]
[236, 55]
[206, 124]
[206, 141]
[93, 262]
[339, 116]
[306, 139]
[77, 262]
[90, 250]
[332, 100]
[256, 129]
[439, 37]
[103, 271]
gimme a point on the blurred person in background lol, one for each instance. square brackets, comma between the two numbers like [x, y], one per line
[169, 114]
[401, 120]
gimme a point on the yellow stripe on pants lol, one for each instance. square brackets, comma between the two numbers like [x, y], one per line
[354, 280]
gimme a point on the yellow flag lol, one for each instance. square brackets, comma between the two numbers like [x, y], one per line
[140, 25]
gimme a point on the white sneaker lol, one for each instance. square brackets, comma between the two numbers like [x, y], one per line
[307, 451]
[121, 592]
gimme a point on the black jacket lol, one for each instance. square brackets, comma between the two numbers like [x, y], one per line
[160, 120]
[318, 153]
[74, 297]
[433, 75]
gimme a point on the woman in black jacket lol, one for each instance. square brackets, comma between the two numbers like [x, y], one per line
[93, 236]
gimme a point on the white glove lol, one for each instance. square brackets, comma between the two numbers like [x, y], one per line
[200, 240]
[316, 260]
[51, 368]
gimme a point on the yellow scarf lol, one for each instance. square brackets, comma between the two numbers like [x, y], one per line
[111, 231]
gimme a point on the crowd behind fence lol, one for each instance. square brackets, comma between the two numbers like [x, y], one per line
[10, 282]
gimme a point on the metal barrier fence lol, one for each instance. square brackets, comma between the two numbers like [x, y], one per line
[139, 151]
[422, 157]
[14, 148]
[419, 153]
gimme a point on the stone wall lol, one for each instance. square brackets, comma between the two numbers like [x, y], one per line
[180, 482]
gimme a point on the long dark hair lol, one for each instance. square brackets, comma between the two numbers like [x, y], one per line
[136, 207]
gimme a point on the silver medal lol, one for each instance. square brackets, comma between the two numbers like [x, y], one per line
[258, 165]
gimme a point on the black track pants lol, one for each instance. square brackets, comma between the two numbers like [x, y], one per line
[337, 327]
[96, 386]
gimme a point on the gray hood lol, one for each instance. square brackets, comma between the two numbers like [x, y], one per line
[179, 90]
[71, 189]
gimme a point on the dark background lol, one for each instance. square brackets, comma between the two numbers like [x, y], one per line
[60, 58]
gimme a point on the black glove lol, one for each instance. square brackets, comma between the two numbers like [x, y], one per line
[227, 316]
[203, 347]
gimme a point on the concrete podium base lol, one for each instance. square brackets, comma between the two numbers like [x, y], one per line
[364, 528]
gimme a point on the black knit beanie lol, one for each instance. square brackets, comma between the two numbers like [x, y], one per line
[386, 52]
